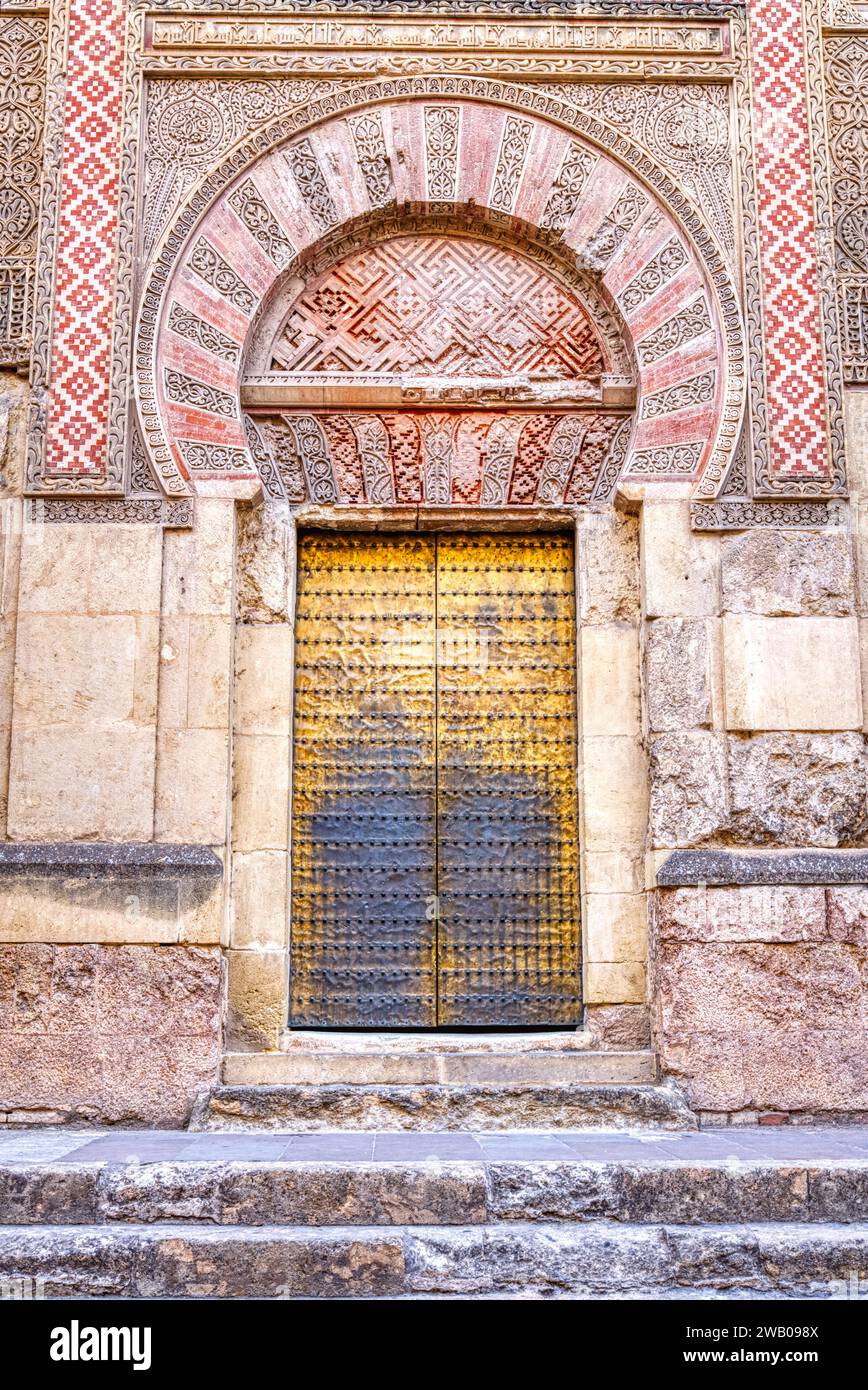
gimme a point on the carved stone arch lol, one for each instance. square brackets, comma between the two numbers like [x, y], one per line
[414, 145]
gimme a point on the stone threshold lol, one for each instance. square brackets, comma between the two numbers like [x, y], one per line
[312, 1041]
[467, 1066]
[697, 868]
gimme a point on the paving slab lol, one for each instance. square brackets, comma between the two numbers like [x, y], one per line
[772, 1144]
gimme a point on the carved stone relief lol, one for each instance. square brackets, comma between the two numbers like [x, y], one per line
[23, 45]
[846, 58]
[683, 126]
[189, 124]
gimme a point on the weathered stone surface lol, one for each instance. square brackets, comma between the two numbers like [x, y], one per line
[263, 678]
[618, 1025]
[689, 794]
[608, 567]
[677, 674]
[384, 1194]
[615, 982]
[679, 566]
[257, 998]
[777, 1259]
[742, 914]
[50, 1192]
[757, 986]
[609, 679]
[108, 1033]
[308, 1109]
[514, 1258]
[265, 540]
[615, 792]
[848, 914]
[798, 789]
[273, 1263]
[761, 997]
[672, 1191]
[788, 572]
[83, 1262]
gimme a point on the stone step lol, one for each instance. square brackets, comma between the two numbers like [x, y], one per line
[434, 1191]
[571, 1105]
[374, 1040]
[452, 1067]
[590, 1259]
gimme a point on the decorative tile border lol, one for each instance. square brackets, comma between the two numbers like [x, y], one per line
[789, 249]
[87, 232]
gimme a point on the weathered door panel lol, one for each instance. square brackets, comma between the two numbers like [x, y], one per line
[434, 807]
[508, 931]
[363, 931]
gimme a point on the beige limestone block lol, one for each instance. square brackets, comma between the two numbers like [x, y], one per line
[260, 815]
[192, 786]
[258, 913]
[195, 671]
[82, 784]
[258, 998]
[174, 670]
[609, 676]
[798, 789]
[792, 673]
[94, 569]
[609, 871]
[263, 679]
[607, 569]
[85, 670]
[679, 567]
[616, 927]
[200, 564]
[614, 786]
[856, 426]
[11, 528]
[51, 908]
[615, 982]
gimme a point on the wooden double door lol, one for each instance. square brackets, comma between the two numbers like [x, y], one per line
[434, 813]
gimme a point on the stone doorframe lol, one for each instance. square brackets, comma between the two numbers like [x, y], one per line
[612, 769]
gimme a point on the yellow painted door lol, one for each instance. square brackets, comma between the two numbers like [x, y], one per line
[435, 854]
[363, 927]
[507, 838]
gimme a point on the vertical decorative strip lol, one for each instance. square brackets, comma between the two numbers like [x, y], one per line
[789, 250]
[87, 237]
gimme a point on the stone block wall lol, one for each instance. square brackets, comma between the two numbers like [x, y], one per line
[755, 704]
[115, 683]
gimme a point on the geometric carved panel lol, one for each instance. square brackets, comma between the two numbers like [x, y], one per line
[438, 305]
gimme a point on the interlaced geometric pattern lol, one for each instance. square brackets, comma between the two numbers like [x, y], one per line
[788, 242]
[439, 305]
[81, 350]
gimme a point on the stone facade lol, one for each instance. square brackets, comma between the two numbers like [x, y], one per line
[360, 267]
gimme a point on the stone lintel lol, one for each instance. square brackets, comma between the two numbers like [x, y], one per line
[722, 867]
